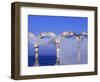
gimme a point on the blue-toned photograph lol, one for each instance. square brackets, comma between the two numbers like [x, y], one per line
[57, 40]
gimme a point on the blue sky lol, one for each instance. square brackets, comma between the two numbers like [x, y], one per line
[56, 24]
